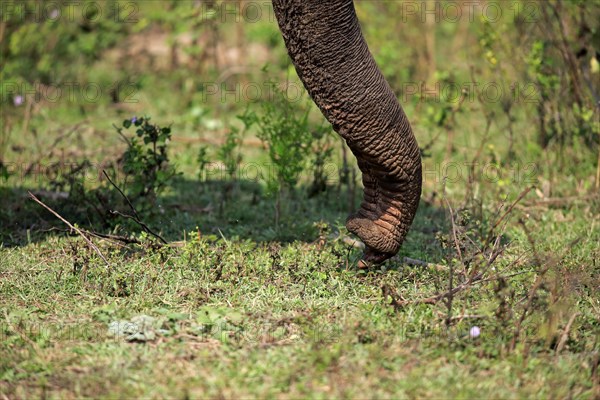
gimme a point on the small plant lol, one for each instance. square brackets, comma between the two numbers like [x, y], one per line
[293, 144]
[288, 137]
[229, 153]
[145, 161]
[203, 161]
[322, 151]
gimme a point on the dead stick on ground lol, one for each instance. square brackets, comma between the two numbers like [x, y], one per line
[135, 217]
[87, 240]
[421, 263]
[565, 336]
[142, 224]
[441, 296]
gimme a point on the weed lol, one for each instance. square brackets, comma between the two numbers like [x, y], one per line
[146, 163]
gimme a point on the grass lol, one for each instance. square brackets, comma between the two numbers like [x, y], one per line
[288, 321]
[246, 309]
[239, 306]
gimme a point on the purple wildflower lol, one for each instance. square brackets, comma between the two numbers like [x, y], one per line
[18, 100]
[474, 332]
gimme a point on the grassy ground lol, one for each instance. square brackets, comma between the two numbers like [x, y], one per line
[238, 306]
[494, 293]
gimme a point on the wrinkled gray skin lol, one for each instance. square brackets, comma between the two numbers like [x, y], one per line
[331, 57]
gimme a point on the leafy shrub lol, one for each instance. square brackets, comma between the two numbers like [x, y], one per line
[145, 162]
[288, 134]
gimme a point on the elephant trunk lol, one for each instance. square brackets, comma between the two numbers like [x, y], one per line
[325, 43]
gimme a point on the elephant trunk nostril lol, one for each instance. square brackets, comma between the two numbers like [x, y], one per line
[383, 220]
[372, 257]
[373, 234]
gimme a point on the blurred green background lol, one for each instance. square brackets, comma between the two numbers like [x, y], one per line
[523, 73]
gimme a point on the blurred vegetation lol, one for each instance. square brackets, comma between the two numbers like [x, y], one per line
[535, 62]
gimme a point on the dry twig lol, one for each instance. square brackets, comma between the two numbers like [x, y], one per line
[398, 302]
[79, 231]
[135, 217]
[421, 263]
[565, 336]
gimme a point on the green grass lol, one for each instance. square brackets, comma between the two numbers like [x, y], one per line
[289, 321]
[251, 309]
[245, 307]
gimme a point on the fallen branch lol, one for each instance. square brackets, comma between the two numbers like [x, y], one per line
[115, 239]
[421, 263]
[565, 336]
[135, 217]
[400, 302]
[140, 223]
[79, 231]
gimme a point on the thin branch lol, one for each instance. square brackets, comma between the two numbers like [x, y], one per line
[87, 240]
[122, 194]
[434, 299]
[565, 336]
[140, 223]
[421, 263]
[509, 210]
[115, 239]
[135, 216]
